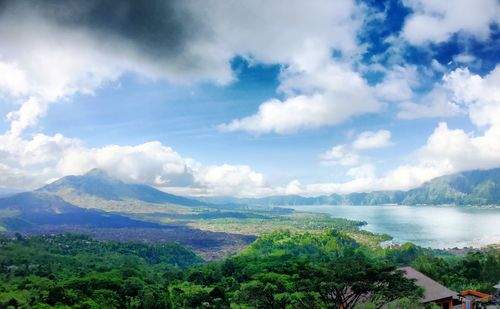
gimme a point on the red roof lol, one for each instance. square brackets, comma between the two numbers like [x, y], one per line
[476, 294]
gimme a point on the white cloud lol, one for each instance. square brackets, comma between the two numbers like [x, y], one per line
[293, 187]
[437, 21]
[42, 61]
[301, 36]
[446, 150]
[464, 58]
[232, 180]
[49, 65]
[340, 155]
[480, 95]
[297, 32]
[155, 164]
[397, 84]
[459, 92]
[362, 171]
[347, 155]
[293, 32]
[437, 66]
[364, 179]
[150, 163]
[12, 80]
[436, 103]
[29, 163]
[451, 150]
[370, 139]
[325, 96]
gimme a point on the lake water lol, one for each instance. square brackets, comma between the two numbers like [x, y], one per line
[427, 226]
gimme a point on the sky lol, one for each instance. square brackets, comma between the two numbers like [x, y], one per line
[249, 98]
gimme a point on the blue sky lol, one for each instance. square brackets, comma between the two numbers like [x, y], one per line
[250, 98]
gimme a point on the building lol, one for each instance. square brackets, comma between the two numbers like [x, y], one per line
[471, 298]
[497, 290]
[434, 292]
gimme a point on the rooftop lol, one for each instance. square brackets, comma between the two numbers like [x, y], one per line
[432, 290]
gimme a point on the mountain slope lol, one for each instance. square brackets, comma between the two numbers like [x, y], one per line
[472, 187]
[31, 209]
[479, 187]
[97, 184]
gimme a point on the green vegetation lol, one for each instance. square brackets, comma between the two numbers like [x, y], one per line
[286, 269]
[97, 190]
[57, 203]
[283, 269]
[294, 221]
[476, 271]
[77, 271]
[269, 222]
[300, 260]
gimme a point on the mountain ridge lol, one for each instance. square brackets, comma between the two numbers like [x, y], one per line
[29, 209]
[475, 187]
[99, 184]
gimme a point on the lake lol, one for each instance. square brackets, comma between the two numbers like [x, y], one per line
[427, 226]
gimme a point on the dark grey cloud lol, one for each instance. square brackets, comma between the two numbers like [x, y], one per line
[156, 27]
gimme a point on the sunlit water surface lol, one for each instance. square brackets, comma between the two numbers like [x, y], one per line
[428, 226]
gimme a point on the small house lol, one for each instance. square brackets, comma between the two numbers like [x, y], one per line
[470, 298]
[434, 292]
[497, 290]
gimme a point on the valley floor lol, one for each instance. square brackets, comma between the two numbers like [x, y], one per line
[211, 233]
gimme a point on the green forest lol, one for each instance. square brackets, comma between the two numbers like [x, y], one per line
[282, 269]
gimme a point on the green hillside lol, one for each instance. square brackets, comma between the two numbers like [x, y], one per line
[283, 269]
[479, 187]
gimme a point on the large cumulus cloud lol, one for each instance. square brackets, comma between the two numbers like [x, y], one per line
[51, 50]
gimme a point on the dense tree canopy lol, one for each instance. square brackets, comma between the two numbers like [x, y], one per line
[280, 270]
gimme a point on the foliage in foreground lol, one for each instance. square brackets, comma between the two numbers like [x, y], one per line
[301, 270]
[77, 271]
[282, 269]
[477, 270]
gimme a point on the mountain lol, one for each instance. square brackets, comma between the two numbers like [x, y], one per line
[32, 209]
[90, 200]
[478, 187]
[98, 185]
[106, 208]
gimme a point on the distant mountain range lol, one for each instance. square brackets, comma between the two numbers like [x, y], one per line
[98, 200]
[479, 187]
